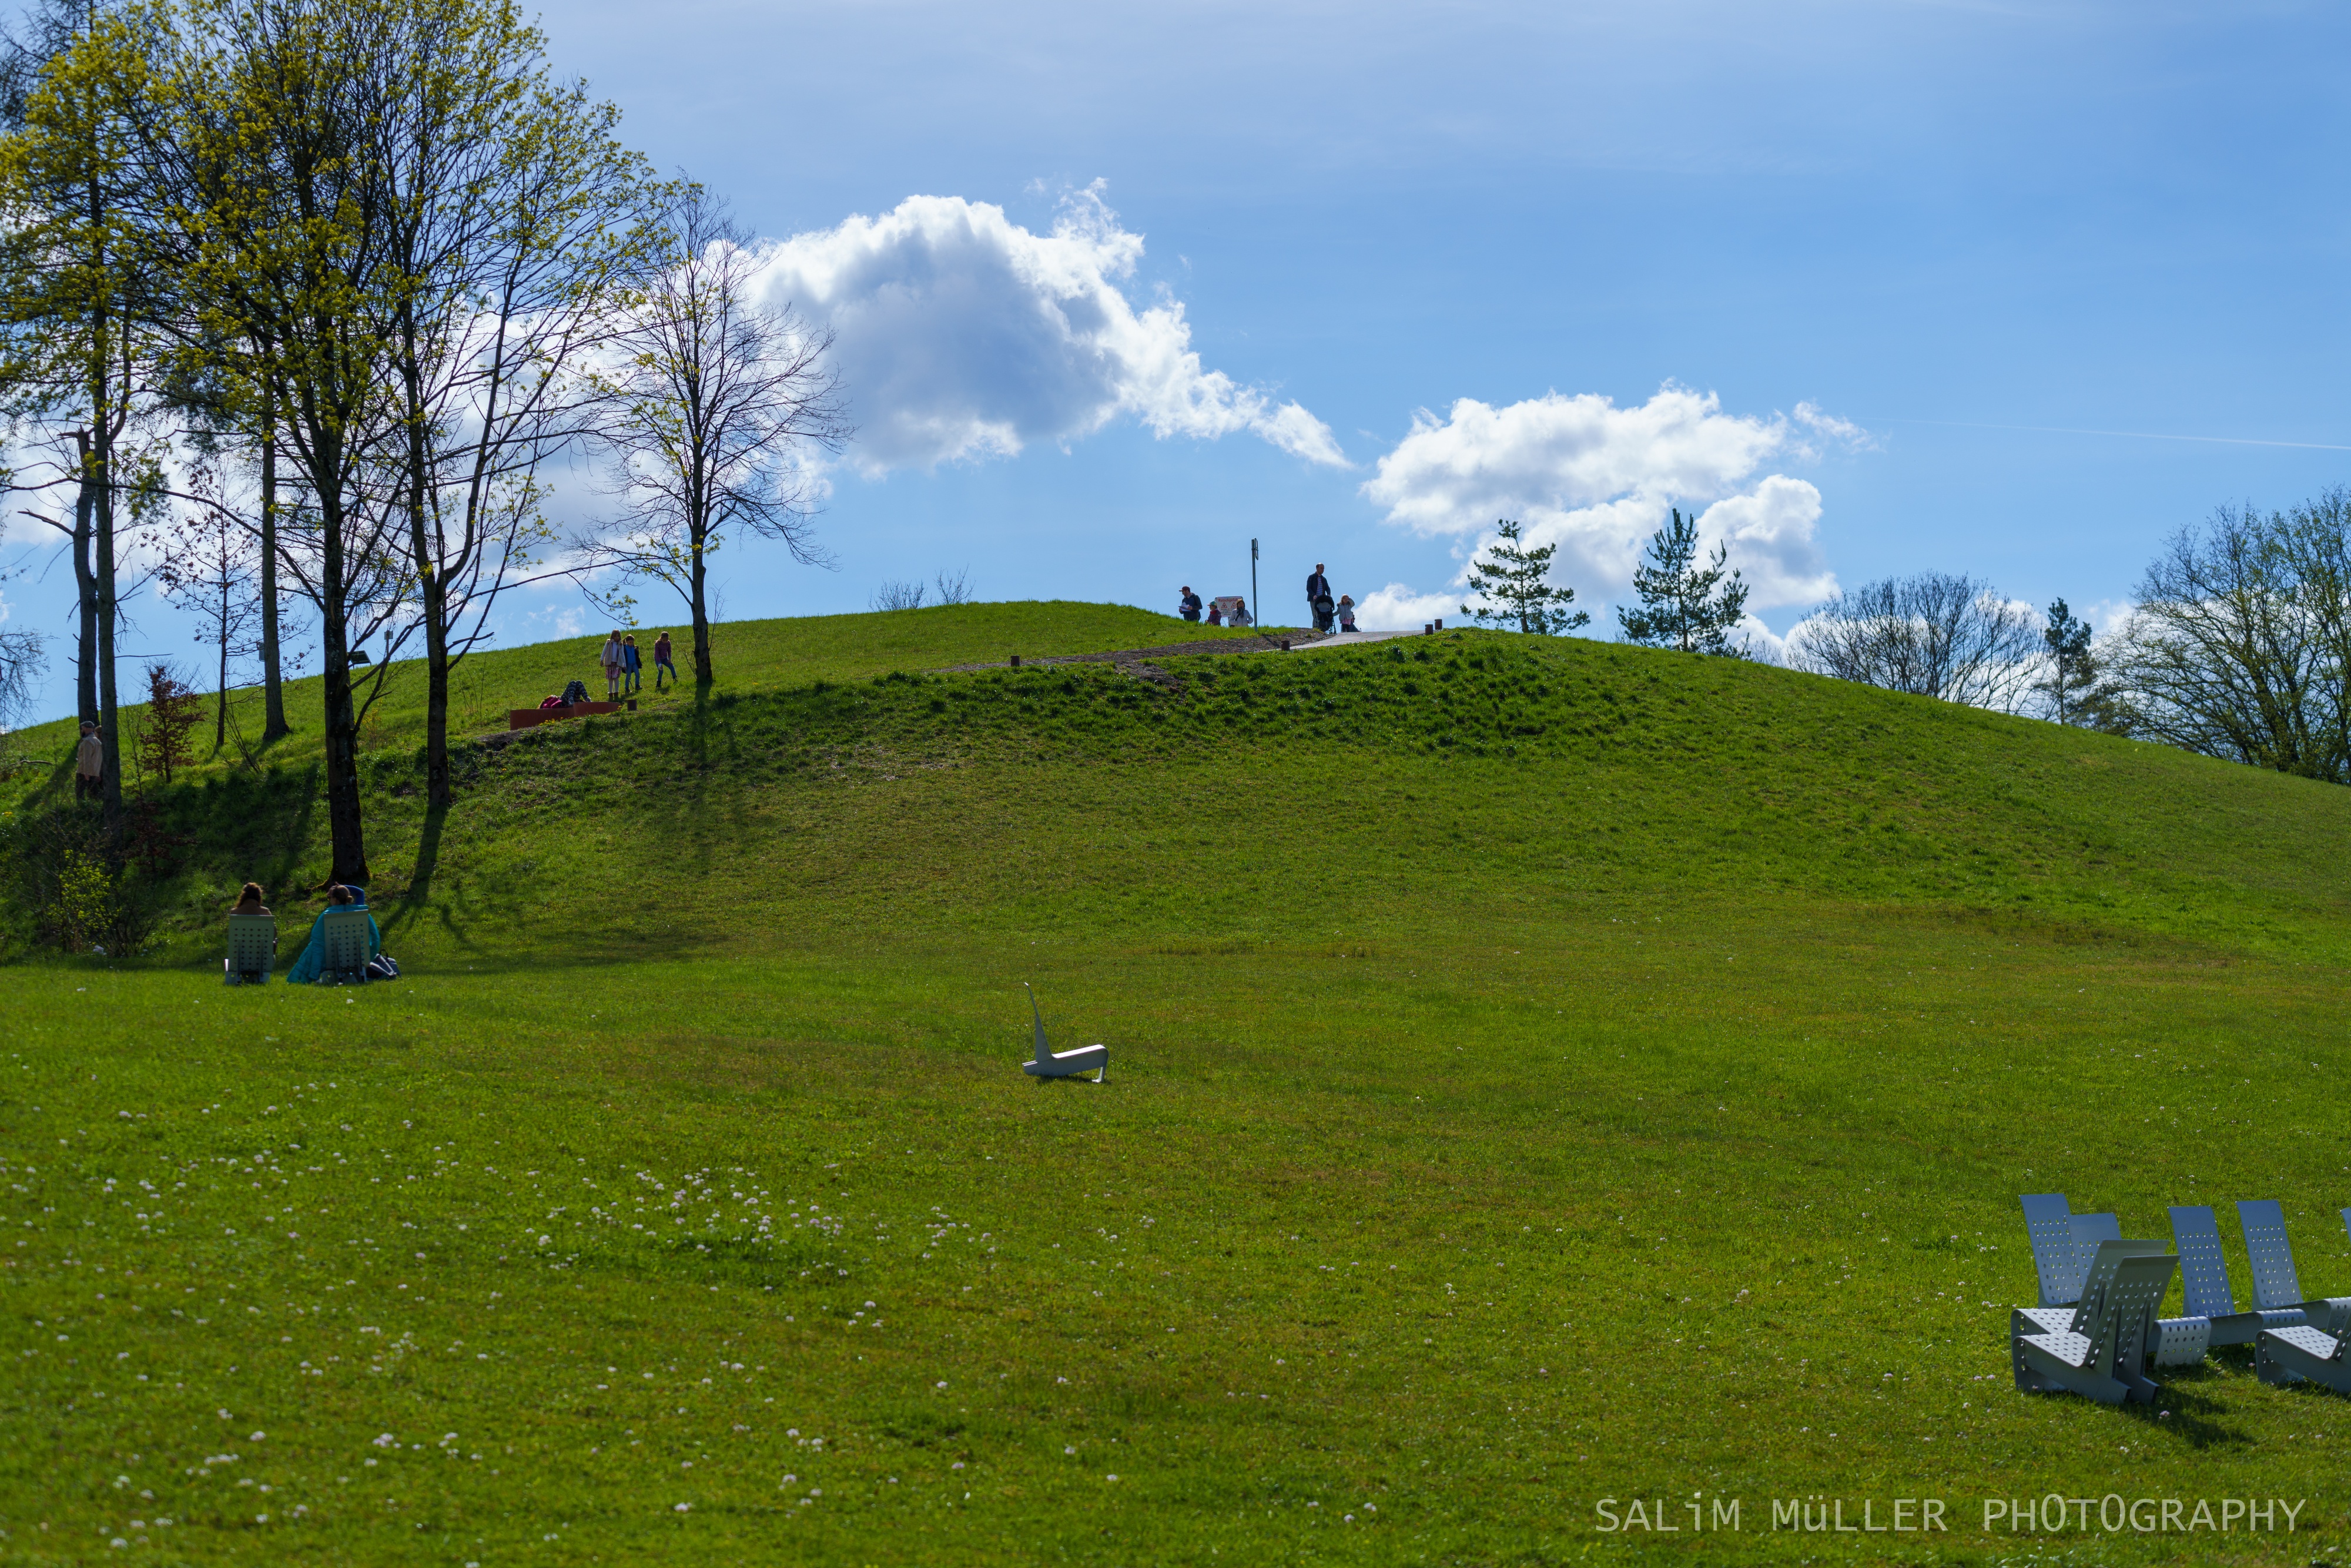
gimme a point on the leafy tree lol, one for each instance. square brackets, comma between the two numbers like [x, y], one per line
[81, 356]
[1685, 605]
[172, 710]
[2071, 670]
[1513, 582]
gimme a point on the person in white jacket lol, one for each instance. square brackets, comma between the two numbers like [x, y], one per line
[615, 661]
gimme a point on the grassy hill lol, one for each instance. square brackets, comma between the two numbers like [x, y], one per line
[1542, 1072]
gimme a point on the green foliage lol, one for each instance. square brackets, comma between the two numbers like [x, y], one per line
[1513, 584]
[1685, 606]
[86, 908]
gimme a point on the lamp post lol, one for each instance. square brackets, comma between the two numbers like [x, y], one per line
[1257, 605]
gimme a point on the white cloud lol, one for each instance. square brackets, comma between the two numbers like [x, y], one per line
[1597, 480]
[1397, 608]
[962, 334]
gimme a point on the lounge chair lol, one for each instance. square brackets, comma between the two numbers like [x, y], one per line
[252, 946]
[2102, 1353]
[2287, 1356]
[2212, 1317]
[2275, 1289]
[343, 945]
[1051, 1064]
[2063, 1243]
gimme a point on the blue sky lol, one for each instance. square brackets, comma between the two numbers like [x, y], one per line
[1898, 258]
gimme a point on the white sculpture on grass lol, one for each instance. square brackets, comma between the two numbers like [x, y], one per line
[1051, 1064]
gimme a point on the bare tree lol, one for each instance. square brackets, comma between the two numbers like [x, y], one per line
[22, 660]
[896, 595]
[956, 589]
[2239, 647]
[714, 397]
[1931, 634]
[211, 567]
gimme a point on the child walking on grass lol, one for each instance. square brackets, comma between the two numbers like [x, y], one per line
[632, 666]
[661, 660]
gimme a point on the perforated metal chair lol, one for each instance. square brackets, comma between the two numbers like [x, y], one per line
[2275, 1287]
[2063, 1243]
[252, 947]
[2212, 1317]
[343, 946]
[2049, 1226]
[2289, 1355]
[1051, 1064]
[2101, 1355]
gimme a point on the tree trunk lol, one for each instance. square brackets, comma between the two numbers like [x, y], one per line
[346, 827]
[702, 671]
[273, 691]
[86, 584]
[220, 708]
[434, 591]
[109, 718]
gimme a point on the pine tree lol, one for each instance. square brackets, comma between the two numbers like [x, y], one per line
[1684, 605]
[2073, 672]
[1512, 580]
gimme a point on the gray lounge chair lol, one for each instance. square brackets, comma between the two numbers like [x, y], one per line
[1051, 1064]
[2275, 1287]
[2102, 1354]
[252, 946]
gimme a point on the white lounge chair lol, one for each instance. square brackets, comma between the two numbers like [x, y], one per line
[2063, 1243]
[2275, 1287]
[2102, 1354]
[252, 946]
[1051, 1064]
[2213, 1318]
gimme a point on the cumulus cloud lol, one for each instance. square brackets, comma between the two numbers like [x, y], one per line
[1397, 607]
[962, 334]
[1597, 480]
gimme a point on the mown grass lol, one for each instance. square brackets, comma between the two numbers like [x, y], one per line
[1540, 1072]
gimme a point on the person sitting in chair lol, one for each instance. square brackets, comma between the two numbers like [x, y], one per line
[314, 956]
[248, 902]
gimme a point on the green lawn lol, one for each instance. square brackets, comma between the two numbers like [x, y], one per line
[1541, 1073]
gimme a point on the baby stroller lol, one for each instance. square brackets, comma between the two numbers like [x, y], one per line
[1324, 611]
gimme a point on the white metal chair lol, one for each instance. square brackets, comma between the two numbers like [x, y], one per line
[2275, 1287]
[2063, 1243]
[252, 947]
[1051, 1064]
[2101, 1355]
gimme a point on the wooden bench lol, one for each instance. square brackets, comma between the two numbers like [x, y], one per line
[524, 717]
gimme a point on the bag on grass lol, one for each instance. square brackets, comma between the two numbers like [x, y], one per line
[382, 967]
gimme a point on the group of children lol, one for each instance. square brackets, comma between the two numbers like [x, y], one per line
[623, 667]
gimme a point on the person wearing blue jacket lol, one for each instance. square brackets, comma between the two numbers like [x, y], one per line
[306, 967]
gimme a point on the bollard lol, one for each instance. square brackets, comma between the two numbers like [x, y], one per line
[1016, 661]
[1285, 644]
[1440, 624]
[1428, 628]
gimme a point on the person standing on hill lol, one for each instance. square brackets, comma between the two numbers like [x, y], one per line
[1189, 609]
[1318, 598]
[90, 764]
[661, 660]
[614, 662]
[633, 666]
